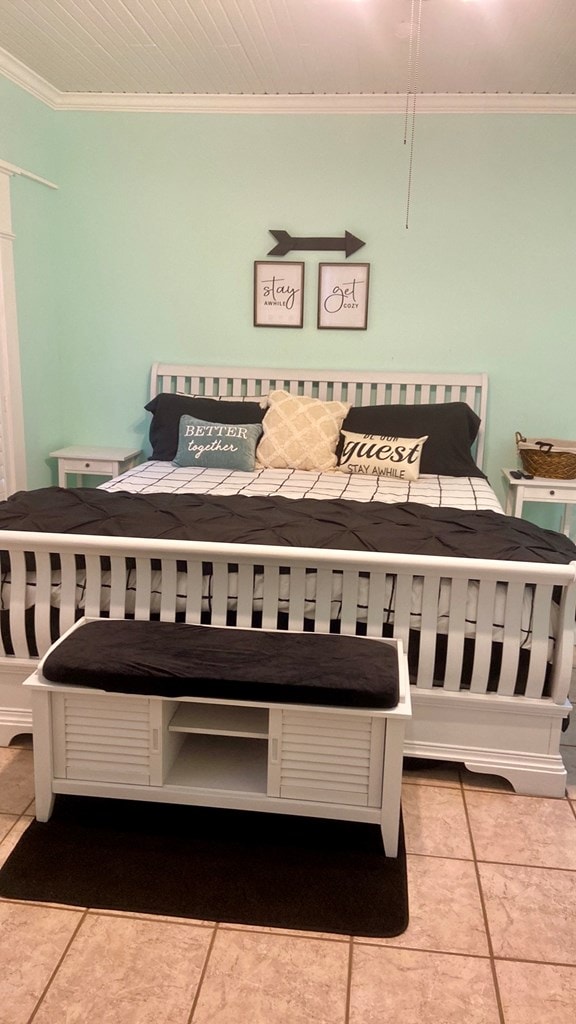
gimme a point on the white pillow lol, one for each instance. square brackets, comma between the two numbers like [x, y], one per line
[397, 457]
[300, 432]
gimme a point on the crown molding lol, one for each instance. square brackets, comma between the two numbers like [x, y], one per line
[364, 103]
[390, 103]
[37, 86]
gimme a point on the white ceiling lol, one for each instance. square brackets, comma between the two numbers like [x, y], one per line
[291, 54]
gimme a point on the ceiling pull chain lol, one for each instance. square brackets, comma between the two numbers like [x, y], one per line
[414, 62]
[410, 57]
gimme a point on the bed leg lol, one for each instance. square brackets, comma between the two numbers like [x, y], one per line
[548, 778]
[14, 723]
[15, 706]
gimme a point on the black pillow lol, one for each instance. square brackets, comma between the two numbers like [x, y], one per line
[451, 427]
[167, 408]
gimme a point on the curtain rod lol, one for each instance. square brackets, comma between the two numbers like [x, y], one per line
[12, 169]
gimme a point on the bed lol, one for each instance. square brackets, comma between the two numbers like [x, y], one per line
[489, 628]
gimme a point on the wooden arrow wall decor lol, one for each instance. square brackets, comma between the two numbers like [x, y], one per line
[286, 243]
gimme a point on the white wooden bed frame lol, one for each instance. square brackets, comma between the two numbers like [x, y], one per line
[489, 730]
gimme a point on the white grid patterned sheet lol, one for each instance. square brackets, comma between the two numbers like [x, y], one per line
[471, 493]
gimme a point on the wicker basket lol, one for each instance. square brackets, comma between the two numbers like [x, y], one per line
[547, 456]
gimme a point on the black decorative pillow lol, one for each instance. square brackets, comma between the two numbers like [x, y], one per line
[451, 428]
[167, 408]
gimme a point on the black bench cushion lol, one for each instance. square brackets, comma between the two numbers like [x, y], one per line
[168, 659]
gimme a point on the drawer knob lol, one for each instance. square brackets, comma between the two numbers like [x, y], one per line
[87, 466]
[552, 493]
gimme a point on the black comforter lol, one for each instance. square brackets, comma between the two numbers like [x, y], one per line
[409, 528]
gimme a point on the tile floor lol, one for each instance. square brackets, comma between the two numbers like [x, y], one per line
[491, 940]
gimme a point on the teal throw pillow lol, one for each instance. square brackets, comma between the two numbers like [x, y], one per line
[217, 445]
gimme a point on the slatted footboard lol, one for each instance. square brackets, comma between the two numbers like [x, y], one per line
[490, 643]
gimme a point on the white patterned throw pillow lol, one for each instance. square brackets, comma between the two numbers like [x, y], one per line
[397, 457]
[300, 432]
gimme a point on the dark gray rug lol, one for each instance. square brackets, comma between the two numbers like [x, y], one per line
[242, 867]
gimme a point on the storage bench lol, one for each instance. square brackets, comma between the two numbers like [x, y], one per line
[269, 720]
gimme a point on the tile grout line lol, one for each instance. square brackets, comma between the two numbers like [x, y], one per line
[190, 1017]
[18, 819]
[348, 1003]
[491, 955]
[134, 915]
[537, 963]
[336, 937]
[11, 830]
[52, 977]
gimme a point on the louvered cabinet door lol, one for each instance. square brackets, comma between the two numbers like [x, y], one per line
[330, 758]
[102, 738]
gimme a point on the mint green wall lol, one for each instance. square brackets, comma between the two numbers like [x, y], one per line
[28, 139]
[159, 218]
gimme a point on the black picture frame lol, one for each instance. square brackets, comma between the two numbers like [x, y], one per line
[278, 294]
[343, 290]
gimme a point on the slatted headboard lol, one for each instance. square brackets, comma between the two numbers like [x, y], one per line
[368, 387]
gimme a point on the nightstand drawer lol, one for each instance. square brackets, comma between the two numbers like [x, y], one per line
[544, 492]
[106, 468]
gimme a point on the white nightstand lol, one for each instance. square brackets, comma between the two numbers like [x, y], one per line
[83, 460]
[545, 489]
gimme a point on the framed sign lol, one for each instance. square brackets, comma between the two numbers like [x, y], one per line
[278, 294]
[343, 296]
